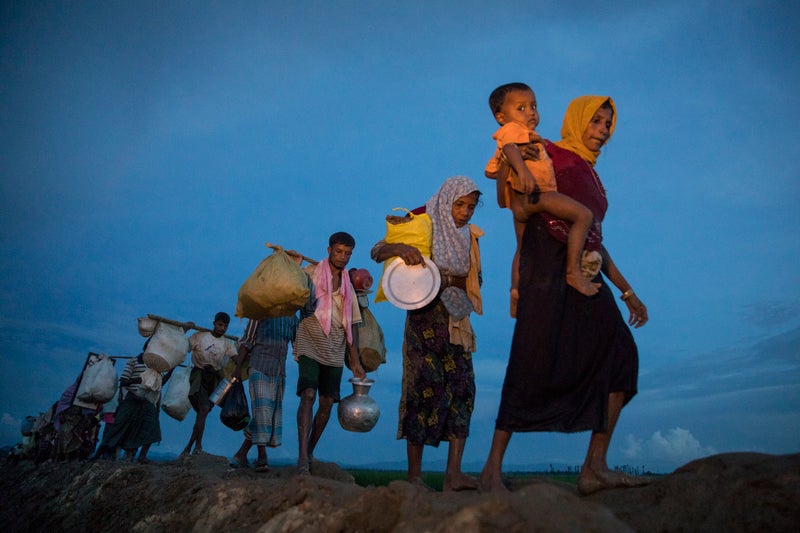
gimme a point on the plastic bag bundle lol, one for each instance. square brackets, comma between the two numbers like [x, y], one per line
[99, 380]
[151, 380]
[167, 348]
[235, 413]
[277, 287]
[175, 401]
[371, 346]
[414, 230]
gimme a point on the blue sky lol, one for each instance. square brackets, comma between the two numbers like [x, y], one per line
[148, 151]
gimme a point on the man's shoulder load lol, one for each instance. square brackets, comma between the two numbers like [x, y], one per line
[98, 381]
[277, 287]
[175, 401]
[167, 348]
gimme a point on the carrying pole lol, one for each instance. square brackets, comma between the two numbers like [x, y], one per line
[292, 253]
[185, 325]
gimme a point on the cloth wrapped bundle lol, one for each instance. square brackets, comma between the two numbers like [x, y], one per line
[175, 401]
[277, 287]
[371, 346]
[99, 381]
[167, 348]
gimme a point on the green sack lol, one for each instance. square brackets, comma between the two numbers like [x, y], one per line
[277, 287]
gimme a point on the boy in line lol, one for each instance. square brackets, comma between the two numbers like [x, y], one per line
[210, 353]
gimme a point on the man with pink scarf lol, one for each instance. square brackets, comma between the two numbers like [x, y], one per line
[325, 333]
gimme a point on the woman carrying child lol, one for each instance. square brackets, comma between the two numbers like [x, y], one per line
[573, 362]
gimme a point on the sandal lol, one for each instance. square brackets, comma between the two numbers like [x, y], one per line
[261, 465]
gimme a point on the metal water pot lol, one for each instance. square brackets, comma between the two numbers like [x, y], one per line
[222, 389]
[359, 412]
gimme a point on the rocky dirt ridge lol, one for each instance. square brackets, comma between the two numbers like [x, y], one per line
[727, 492]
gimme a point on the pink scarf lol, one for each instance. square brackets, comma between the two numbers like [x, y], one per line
[323, 282]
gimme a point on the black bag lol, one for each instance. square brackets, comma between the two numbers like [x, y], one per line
[235, 413]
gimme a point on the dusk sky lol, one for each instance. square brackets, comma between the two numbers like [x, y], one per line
[148, 150]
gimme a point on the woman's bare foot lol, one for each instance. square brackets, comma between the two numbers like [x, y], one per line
[589, 483]
[514, 300]
[592, 481]
[582, 285]
[491, 483]
[459, 482]
[418, 482]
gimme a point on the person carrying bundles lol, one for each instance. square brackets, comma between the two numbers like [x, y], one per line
[438, 391]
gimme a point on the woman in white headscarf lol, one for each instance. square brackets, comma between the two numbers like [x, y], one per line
[438, 392]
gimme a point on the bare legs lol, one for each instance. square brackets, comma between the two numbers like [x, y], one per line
[130, 454]
[198, 430]
[240, 457]
[595, 473]
[598, 444]
[414, 454]
[454, 478]
[491, 479]
[143, 454]
[309, 431]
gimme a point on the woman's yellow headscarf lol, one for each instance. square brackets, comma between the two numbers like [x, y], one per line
[579, 112]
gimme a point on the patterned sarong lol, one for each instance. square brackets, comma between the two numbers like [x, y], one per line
[438, 380]
[266, 399]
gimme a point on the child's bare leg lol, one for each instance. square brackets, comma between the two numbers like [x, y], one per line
[519, 227]
[564, 207]
[500, 187]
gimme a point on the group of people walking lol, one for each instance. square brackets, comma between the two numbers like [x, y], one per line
[573, 363]
[321, 333]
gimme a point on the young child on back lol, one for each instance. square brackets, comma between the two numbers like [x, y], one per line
[533, 181]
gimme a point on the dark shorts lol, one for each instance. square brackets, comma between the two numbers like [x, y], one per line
[202, 382]
[323, 378]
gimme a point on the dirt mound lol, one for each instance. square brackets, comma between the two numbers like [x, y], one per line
[731, 492]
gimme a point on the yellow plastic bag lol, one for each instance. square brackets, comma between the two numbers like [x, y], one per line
[414, 230]
[277, 287]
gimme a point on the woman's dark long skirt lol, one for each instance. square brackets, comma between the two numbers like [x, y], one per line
[135, 425]
[569, 351]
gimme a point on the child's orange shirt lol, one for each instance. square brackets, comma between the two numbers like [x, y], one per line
[541, 169]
